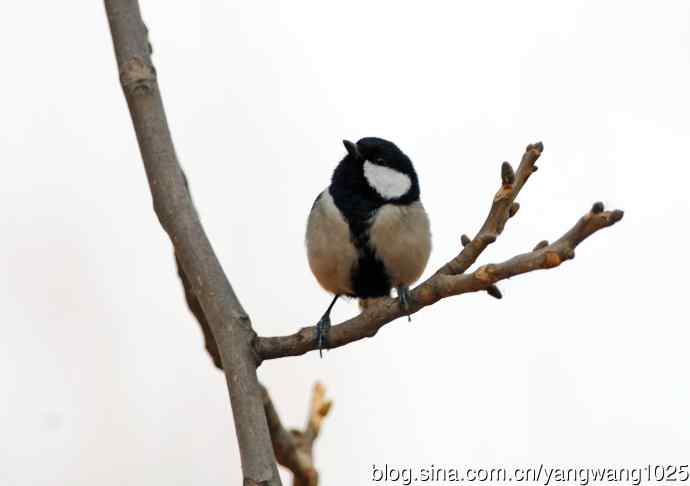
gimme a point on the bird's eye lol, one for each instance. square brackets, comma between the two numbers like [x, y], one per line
[380, 161]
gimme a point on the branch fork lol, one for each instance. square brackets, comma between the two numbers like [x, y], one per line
[230, 339]
[451, 279]
[294, 448]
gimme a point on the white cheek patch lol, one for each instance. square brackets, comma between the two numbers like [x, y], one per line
[389, 183]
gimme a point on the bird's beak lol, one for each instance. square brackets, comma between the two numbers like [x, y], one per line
[351, 148]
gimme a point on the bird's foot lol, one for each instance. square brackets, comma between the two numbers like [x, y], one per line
[322, 328]
[404, 295]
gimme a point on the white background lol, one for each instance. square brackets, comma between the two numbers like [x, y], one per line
[103, 374]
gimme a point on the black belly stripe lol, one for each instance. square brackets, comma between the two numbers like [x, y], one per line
[369, 278]
[358, 202]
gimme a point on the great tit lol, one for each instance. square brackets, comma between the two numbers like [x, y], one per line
[368, 231]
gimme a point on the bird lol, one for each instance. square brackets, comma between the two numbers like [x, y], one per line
[368, 231]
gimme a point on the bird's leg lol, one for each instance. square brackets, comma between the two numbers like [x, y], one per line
[323, 326]
[404, 295]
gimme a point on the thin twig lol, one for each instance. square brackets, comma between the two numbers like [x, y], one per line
[295, 448]
[451, 279]
[512, 183]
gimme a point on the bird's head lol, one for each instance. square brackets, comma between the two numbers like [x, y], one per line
[385, 168]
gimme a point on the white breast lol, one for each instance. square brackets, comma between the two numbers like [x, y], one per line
[389, 183]
[401, 238]
[332, 256]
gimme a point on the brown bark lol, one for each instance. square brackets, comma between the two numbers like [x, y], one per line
[294, 449]
[227, 319]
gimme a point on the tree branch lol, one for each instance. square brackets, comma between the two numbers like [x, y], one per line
[197, 311]
[227, 329]
[228, 321]
[451, 279]
[294, 449]
[503, 208]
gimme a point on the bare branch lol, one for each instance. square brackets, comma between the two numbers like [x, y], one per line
[227, 319]
[451, 279]
[195, 308]
[500, 211]
[294, 449]
[227, 329]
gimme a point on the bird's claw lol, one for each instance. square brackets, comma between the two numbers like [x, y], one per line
[322, 328]
[404, 295]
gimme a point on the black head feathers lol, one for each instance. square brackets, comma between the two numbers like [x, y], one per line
[377, 170]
